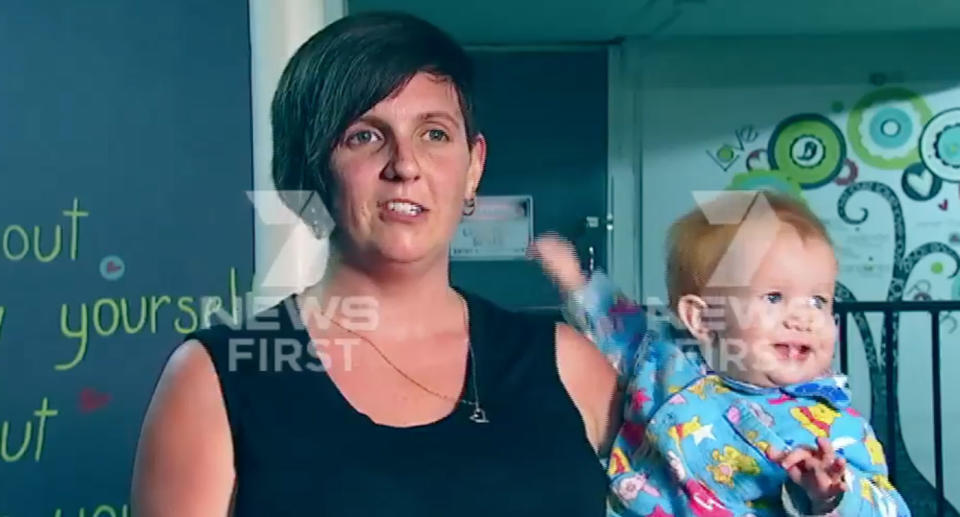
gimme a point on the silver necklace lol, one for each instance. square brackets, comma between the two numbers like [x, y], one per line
[479, 416]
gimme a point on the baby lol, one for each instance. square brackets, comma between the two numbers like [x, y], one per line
[733, 411]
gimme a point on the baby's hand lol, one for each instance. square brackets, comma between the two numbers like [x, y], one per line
[559, 260]
[818, 471]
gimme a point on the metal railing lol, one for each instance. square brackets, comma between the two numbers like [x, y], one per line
[936, 309]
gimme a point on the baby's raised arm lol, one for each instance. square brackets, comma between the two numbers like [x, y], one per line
[594, 305]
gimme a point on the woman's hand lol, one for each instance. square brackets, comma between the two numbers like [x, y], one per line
[559, 260]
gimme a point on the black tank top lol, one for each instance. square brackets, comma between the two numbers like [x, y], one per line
[301, 449]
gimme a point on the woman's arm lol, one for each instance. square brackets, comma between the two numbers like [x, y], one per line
[592, 384]
[184, 462]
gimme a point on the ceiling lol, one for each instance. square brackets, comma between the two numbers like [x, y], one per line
[498, 22]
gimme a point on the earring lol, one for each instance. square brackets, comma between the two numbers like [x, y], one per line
[470, 206]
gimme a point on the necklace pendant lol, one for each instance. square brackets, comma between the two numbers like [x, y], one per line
[479, 416]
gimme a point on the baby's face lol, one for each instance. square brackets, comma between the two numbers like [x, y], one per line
[778, 327]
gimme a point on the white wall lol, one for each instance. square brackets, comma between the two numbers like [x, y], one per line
[695, 94]
[624, 179]
[287, 257]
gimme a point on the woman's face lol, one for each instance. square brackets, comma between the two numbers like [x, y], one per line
[403, 170]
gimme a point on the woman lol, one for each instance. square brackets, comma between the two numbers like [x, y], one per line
[446, 404]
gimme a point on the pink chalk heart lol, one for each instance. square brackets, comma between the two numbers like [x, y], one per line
[92, 400]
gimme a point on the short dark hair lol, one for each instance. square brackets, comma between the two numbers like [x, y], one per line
[340, 73]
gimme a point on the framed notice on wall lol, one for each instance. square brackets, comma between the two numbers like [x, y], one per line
[501, 228]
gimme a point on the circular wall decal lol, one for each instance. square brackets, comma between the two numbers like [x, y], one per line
[884, 127]
[808, 148]
[940, 145]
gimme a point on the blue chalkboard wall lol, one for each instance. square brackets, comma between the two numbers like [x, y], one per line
[125, 156]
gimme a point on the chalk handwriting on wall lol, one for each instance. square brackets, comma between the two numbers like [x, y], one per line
[17, 243]
[106, 316]
[10, 450]
[100, 511]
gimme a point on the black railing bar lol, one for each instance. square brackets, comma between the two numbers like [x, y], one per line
[919, 306]
[892, 392]
[937, 418]
[839, 307]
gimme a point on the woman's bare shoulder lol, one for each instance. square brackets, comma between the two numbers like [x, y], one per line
[184, 461]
